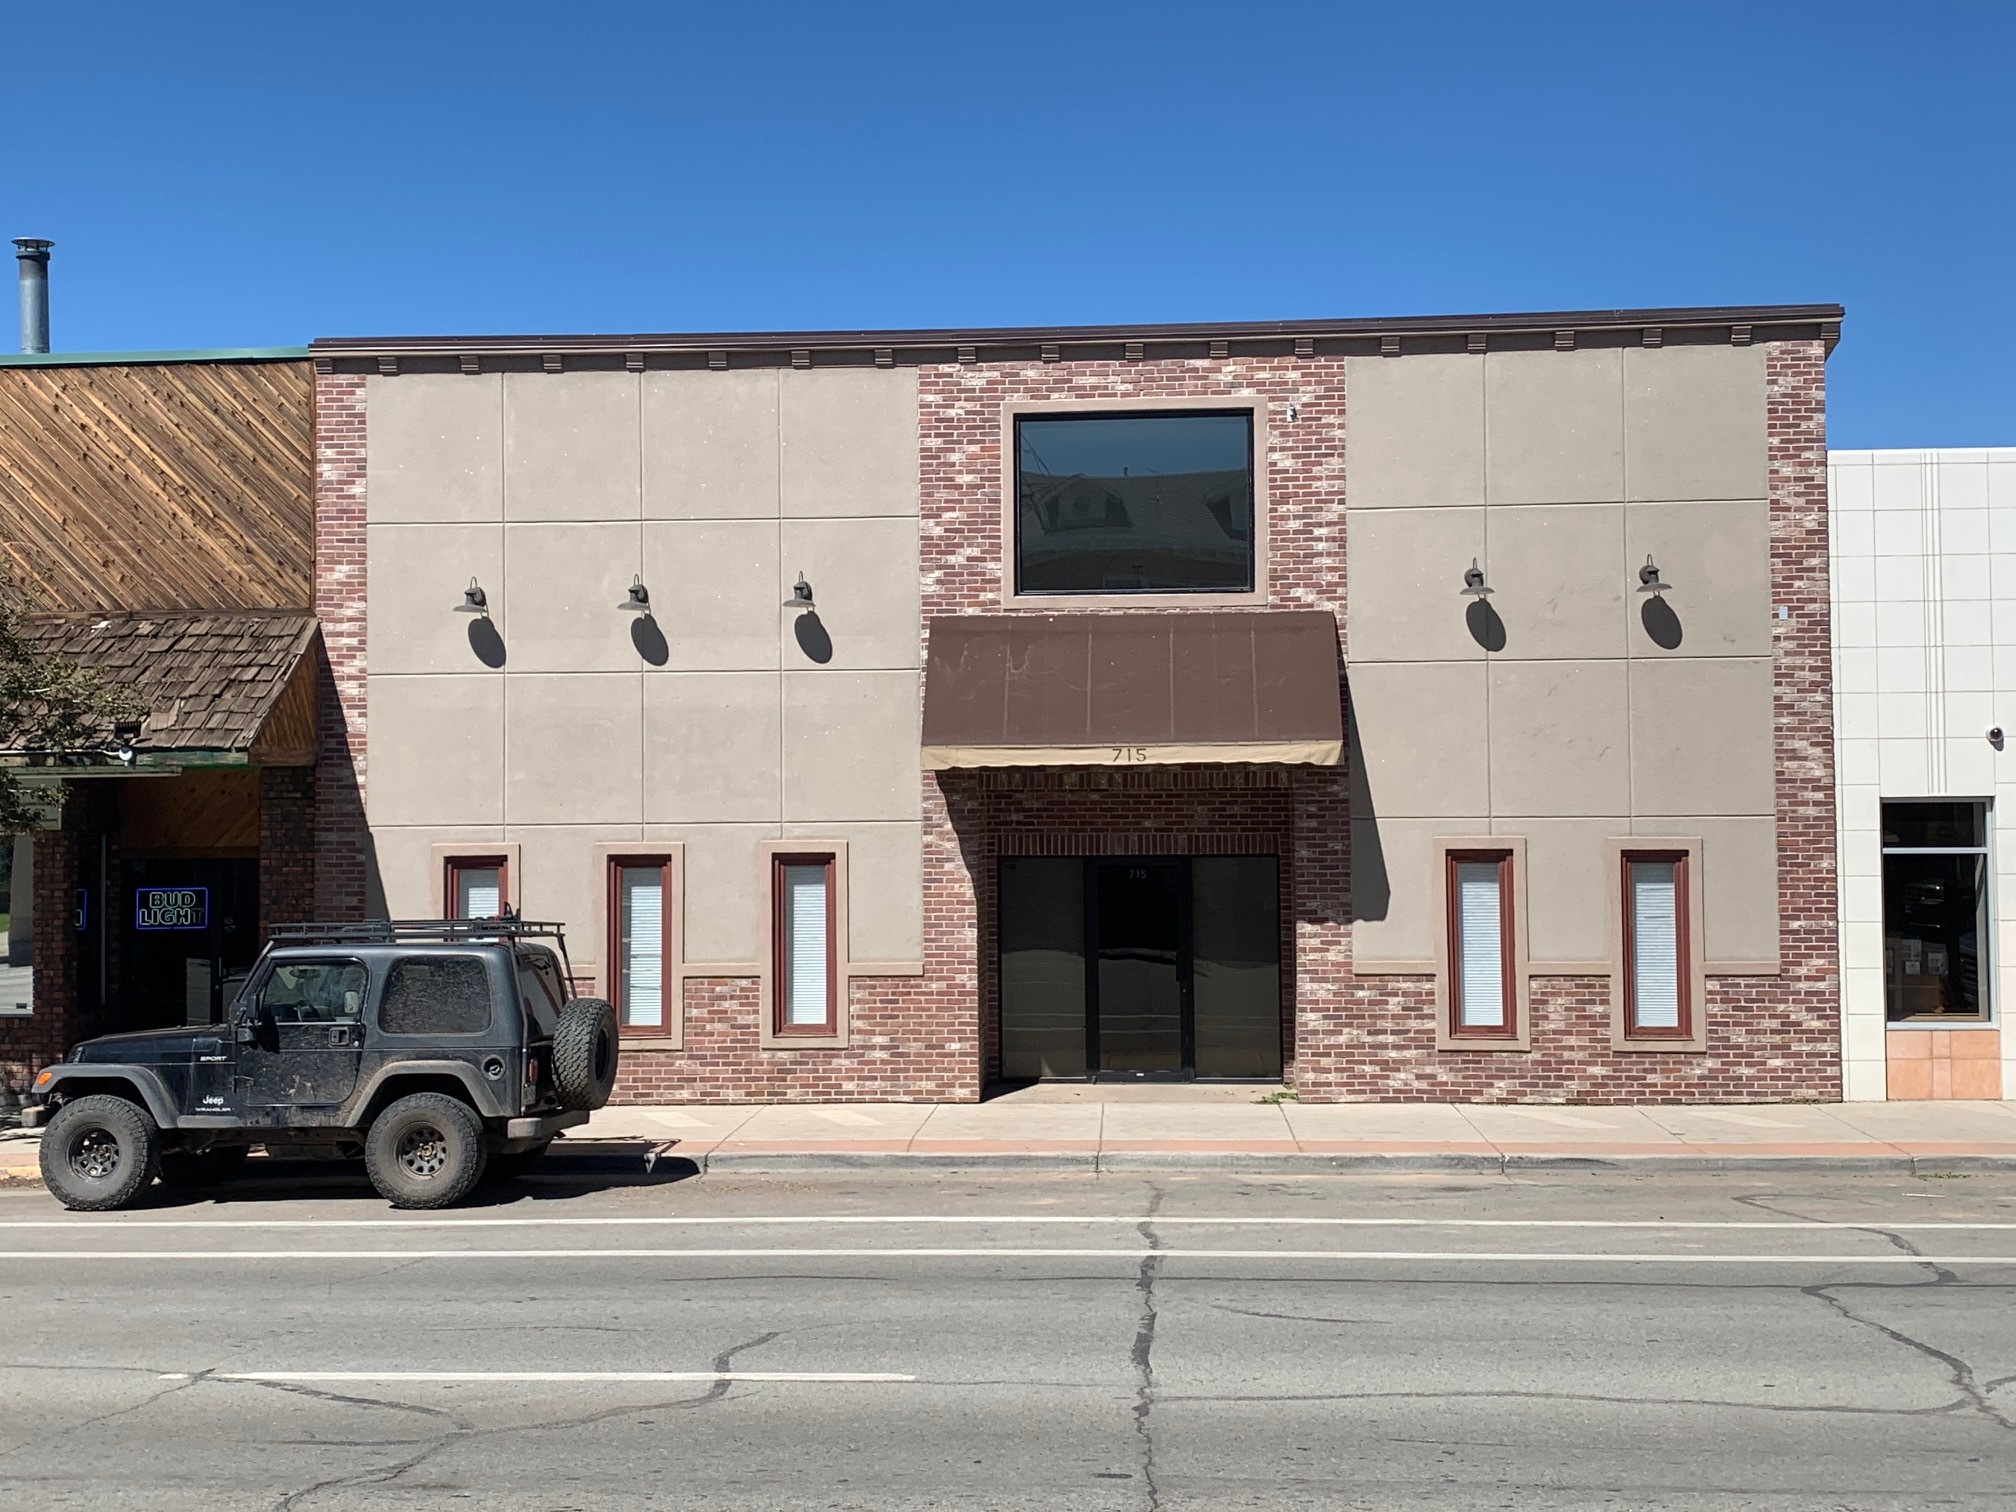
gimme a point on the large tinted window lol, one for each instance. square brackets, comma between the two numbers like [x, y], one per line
[1118, 503]
[1936, 927]
[446, 995]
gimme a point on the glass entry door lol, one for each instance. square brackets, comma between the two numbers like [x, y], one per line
[1125, 968]
[1141, 984]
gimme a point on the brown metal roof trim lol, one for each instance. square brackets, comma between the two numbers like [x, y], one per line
[1146, 688]
[212, 682]
[1824, 321]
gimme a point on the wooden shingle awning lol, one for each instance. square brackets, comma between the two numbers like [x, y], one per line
[220, 688]
[1133, 688]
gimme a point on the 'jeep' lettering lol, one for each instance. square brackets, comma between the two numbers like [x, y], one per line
[171, 908]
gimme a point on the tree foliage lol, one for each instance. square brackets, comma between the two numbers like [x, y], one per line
[51, 706]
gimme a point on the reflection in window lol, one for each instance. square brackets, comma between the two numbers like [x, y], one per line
[17, 925]
[313, 992]
[1935, 912]
[1147, 503]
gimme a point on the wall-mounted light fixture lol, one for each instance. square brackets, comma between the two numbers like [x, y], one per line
[473, 600]
[801, 594]
[1474, 585]
[638, 598]
[1648, 578]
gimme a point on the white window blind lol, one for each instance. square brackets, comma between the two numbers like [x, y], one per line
[805, 944]
[1655, 945]
[641, 938]
[479, 892]
[1480, 946]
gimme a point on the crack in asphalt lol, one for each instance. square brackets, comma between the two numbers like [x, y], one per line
[1960, 1371]
[105, 1417]
[1141, 1354]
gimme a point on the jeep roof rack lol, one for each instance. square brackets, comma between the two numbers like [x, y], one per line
[423, 932]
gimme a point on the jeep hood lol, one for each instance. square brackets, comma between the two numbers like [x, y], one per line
[146, 1046]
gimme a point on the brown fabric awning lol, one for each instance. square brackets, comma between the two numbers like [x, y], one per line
[1132, 689]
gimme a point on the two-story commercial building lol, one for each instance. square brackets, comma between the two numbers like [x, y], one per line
[1410, 709]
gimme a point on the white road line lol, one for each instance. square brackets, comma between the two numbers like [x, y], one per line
[820, 1376]
[1129, 1220]
[1011, 1252]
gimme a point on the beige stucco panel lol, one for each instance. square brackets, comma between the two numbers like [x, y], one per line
[1417, 735]
[1559, 588]
[1393, 882]
[1701, 737]
[711, 747]
[1554, 427]
[864, 578]
[1739, 881]
[1694, 422]
[710, 445]
[885, 887]
[849, 441]
[714, 593]
[570, 446]
[434, 447]
[1406, 574]
[560, 876]
[850, 746]
[408, 862]
[1416, 432]
[437, 749]
[415, 576]
[575, 749]
[1567, 914]
[1558, 739]
[1717, 556]
[563, 583]
[720, 888]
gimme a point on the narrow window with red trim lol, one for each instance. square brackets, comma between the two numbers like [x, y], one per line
[1483, 1000]
[476, 887]
[1657, 948]
[640, 984]
[805, 964]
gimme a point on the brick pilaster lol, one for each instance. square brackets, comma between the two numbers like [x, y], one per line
[342, 838]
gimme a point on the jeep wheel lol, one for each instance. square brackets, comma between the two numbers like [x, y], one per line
[99, 1153]
[510, 1167]
[584, 1054]
[425, 1151]
[195, 1170]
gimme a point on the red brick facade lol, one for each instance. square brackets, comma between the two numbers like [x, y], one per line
[342, 839]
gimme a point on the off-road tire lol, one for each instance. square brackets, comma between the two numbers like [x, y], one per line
[425, 1151]
[584, 1054]
[510, 1167]
[197, 1170]
[99, 1153]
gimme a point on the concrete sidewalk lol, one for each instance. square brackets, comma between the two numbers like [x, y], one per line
[1171, 1127]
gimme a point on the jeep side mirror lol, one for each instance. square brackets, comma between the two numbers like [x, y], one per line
[243, 1034]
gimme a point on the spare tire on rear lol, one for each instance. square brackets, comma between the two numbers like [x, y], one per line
[584, 1054]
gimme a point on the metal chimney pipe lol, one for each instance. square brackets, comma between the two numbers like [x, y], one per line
[34, 254]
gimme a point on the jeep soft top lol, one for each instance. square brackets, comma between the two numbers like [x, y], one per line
[439, 1049]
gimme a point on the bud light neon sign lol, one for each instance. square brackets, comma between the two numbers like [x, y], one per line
[171, 908]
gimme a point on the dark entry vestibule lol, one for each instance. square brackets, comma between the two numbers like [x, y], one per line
[1140, 967]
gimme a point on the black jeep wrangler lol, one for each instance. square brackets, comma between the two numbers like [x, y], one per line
[440, 1050]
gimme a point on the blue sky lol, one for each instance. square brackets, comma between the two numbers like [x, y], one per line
[259, 174]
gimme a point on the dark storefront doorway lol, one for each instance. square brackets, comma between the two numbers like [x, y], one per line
[191, 934]
[1140, 968]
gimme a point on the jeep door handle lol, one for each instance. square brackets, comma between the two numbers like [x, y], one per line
[340, 1035]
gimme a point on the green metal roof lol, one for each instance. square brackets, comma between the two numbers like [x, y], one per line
[137, 359]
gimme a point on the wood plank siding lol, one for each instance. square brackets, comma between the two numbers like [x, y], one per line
[183, 485]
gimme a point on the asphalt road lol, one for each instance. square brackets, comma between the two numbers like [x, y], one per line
[590, 1340]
